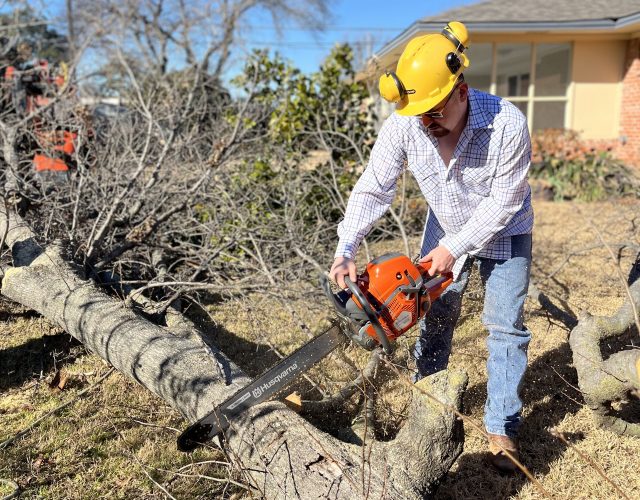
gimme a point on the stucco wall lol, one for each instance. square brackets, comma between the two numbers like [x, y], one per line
[598, 67]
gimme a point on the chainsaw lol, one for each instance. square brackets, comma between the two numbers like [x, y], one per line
[385, 301]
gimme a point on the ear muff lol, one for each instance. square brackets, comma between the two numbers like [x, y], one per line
[391, 87]
[453, 62]
[452, 59]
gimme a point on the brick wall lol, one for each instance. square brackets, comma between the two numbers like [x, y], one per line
[630, 111]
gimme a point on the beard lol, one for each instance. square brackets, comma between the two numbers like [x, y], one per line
[438, 130]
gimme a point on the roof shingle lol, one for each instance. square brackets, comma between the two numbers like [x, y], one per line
[539, 10]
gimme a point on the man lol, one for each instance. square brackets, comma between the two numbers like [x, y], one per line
[470, 153]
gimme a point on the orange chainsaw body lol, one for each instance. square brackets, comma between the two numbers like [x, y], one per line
[399, 291]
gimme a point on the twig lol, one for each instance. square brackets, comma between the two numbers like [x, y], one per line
[233, 456]
[559, 267]
[575, 401]
[403, 233]
[202, 476]
[309, 259]
[143, 467]
[204, 462]
[598, 365]
[156, 426]
[560, 435]
[567, 319]
[7, 442]
[563, 379]
[329, 402]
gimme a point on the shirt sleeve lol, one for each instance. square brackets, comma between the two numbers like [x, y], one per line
[509, 190]
[373, 193]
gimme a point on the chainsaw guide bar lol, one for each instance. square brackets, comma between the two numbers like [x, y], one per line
[261, 389]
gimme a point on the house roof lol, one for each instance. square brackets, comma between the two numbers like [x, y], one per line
[517, 16]
[539, 10]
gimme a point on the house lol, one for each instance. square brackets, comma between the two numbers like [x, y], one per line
[571, 64]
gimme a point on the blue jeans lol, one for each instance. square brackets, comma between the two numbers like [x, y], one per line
[506, 283]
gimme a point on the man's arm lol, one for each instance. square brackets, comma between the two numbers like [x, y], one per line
[371, 196]
[508, 192]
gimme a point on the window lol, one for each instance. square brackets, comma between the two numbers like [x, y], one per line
[552, 81]
[534, 77]
[478, 75]
[552, 69]
[548, 114]
[513, 69]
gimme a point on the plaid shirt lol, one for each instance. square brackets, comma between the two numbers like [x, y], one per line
[475, 203]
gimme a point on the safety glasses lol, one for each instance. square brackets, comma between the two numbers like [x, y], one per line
[437, 114]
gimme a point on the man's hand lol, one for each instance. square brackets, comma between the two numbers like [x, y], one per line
[441, 260]
[343, 266]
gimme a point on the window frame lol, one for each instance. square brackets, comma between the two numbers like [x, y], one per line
[530, 99]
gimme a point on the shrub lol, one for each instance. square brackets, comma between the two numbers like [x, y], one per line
[575, 169]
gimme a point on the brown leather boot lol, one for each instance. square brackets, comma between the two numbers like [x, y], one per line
[498, 458]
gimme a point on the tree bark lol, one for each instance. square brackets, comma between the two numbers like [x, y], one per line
[605, 381]
[282, 455]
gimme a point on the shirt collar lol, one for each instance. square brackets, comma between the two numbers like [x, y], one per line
[478, 118]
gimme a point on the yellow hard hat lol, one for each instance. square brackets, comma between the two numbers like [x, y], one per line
[427, 70]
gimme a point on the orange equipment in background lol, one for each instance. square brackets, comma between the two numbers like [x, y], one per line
[33, 86]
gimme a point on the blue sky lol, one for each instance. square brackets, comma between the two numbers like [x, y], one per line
[364, 23]
[367, 23]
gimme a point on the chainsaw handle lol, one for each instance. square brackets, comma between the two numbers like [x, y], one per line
[326, 287]
[424, 267]
[371, 314]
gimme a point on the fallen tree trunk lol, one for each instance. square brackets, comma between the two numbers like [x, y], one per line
[281, 454]
[601, 381]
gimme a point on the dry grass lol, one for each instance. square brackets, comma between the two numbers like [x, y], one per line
[100, 445]
[586, 282]
[109, 442]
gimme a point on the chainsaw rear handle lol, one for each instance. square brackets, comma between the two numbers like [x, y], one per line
[371, 314]
[424, 267]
